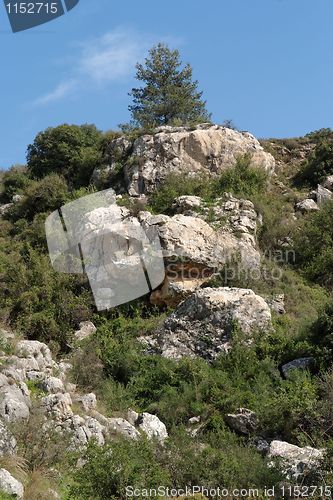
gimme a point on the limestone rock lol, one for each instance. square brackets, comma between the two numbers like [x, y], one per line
[202, 324]
[53, 385]
[307, 205]
[194, 250]
[296, 462]
[300, 364]
[152, 426]
[244, 421]
[204, 150]
[87, 328]
[123, 427]
[328, 183]
[35, 351]
[10, 485]
[7, 441]
[58, 406]
[4, 209]
[88, 401]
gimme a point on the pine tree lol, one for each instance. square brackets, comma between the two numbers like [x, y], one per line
[169, 96]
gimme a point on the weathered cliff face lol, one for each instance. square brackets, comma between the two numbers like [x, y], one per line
[205, 150]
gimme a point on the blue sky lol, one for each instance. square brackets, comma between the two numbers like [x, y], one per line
[266, 64]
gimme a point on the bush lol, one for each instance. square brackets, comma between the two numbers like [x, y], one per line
[313, 243]
[42, 196]
[68, 150]
[14, 181]
[241, 180]
[320, 163]
[109, 470]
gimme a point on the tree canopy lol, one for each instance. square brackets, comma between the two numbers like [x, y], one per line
[69, 150]
[168, 96]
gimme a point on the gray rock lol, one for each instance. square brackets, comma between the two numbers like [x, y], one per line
[7, 441]
[295, 462]
[14, 403]
[307, 205]
[323, 195]
[122, 427]
[203, 323]
[17, 198]
[10, 485]
[152, 427]
[300, 364]
[4, 209]
[88, 401]
[244, 421]
[132, 416]
[52, 385]
[204, 150]
[328, 183]
[83, 430]
[87, 328]
[35, 352]
[194, 420]
[276, 303]
[58, 406]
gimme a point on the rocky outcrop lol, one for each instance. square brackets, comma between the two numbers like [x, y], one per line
[202, 325]
[58, 399]
[10, 485]
[294, 462]
[244, 421]
[194, 249]
[204, 150]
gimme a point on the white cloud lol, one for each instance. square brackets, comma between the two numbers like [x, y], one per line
[101, 61]
[61, 90]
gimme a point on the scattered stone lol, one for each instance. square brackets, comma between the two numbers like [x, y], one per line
[244, 421]
[194, 420]
[10, 485]
[152, 427]
[295, 462]
[328, 183]
[277, 304]
[297, 364]
[123, 427]
[307, 205]
[87, 328]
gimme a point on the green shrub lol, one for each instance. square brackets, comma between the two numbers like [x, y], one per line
[43, 196]
[14, 181]
[109, 470]
[320, 163]
[314, 246]
[241, 180]
[69, 150]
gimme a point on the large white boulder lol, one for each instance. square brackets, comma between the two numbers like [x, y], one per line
[203, 150]
[202, 325]
[295, 462]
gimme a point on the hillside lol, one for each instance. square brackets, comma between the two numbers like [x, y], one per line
[220, 374]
